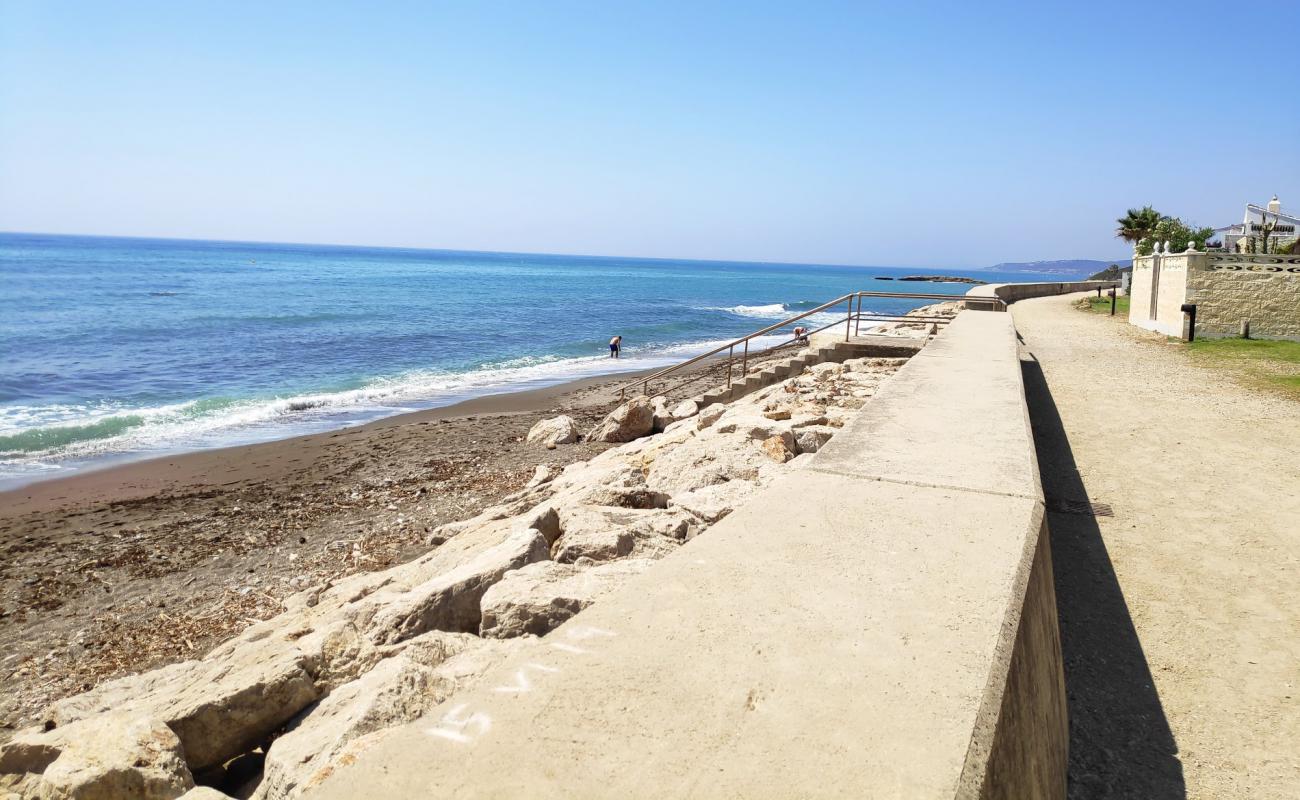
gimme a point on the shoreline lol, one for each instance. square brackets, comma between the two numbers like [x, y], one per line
[133, 566]
[495, 400]
[126, 475]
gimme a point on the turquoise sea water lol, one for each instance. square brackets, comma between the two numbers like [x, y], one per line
[116, 348]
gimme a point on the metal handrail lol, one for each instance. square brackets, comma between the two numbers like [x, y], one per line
[850, 317]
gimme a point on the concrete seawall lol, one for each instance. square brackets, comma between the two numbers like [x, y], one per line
[880, 623]
[985, 298]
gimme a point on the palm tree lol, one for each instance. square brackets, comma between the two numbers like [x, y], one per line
[1138, 224]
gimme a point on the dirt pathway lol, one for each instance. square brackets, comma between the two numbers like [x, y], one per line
[1180, 614]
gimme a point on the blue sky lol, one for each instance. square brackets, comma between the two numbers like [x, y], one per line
[909, 134]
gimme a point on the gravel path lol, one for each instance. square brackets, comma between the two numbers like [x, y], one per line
[1180, 614]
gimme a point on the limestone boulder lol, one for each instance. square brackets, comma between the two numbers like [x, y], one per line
[642, 497]
[540, 597]
[687, 424]
[824, 371]
[545, 473]
[605, 534]
[108, 756]
[450, 601]
[709, 415]
[711, 503]
[708, 459]
[662, 417]
[613, 482]
[685, 409]
[775, 448]
[811, 438]
[220, 707]
[632, 420]
[813, 415]
[752, 424]
[398, 690]
[554, 431]
[597, 544]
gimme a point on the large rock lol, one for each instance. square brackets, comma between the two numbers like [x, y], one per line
[611, 483]
[220, 707]
[712, 503]
[541, 596]
[115, 755]
[553, 431]
[707, 459]
[597, 544]
[632, 420]
[662, 416]
[606, 534]
[686, 408]
[752, 424]
[811, 438]
[450, 601]
[709, 415]
[398, 690]
[775, 448]
[545, 473]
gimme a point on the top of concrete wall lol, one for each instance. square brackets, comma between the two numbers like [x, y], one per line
[847, 632]
[984, 298]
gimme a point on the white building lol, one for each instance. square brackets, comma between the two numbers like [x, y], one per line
[1248, 236]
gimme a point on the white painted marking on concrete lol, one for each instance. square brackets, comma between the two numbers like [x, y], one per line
[581, 632]
[522, 684]
[454, 728]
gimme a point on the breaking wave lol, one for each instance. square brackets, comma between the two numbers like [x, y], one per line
[35, 439]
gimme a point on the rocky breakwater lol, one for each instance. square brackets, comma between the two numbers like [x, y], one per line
[269, 713]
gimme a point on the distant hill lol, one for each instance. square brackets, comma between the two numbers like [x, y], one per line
[1073, 266]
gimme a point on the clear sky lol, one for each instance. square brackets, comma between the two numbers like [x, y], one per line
[895, 133]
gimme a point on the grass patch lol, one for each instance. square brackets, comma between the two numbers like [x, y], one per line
[1264, 362]
[1101, 305]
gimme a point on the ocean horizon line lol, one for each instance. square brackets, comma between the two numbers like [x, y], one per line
[521, 253]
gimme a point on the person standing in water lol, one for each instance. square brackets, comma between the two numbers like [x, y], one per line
[615, 345]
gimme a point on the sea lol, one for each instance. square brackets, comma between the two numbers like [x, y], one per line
[122, 348]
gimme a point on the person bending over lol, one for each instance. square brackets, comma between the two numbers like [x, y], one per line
[615, 345]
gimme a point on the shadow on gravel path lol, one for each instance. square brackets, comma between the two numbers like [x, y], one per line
[1120, 741]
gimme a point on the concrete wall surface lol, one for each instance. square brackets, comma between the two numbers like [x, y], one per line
[879, 623]
[1159, 291]
[984, 298]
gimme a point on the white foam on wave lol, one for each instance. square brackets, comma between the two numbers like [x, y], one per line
[770, 311]
[200, 424]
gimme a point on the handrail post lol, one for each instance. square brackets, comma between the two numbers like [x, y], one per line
[744, 361]
[731, 351]
[857, 318]
[848, 319]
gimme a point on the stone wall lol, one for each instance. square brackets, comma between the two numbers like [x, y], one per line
[1228, 288]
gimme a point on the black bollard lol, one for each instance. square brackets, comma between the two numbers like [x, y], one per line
[1189, 322]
